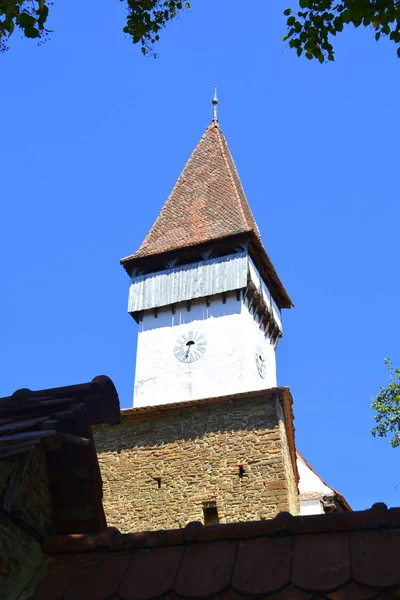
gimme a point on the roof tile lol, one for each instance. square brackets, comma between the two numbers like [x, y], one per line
[206, 203]
[97, 577]
[352, 591]
[56, 575]
[292, 593]
[206, 569]
[262, 566]
[329, 557]
[151, 573]
[375, 557]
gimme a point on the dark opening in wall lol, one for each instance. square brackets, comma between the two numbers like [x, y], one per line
[241, 471]
[158, 481]
[210, 512]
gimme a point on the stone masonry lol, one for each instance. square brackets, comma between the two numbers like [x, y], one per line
[163, 469]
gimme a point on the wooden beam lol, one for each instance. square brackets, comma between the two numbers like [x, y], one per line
[252, 298]
[26, 435]
[50, 402]
[268, 325]
[21, 447]
[68, 438]
[25, 424]
[17, 449]
[49, 424]
[65, 414]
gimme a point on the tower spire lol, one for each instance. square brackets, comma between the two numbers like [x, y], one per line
[214, 103]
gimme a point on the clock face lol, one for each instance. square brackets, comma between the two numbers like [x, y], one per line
[190, 346]
[260, 362]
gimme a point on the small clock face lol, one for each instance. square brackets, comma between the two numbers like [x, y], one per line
[260, 362]
[190, 346]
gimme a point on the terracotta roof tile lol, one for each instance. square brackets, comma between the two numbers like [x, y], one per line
[151, 573]
[263, 565]
[352, 591]
[57, 573]
[206, 569]
[375, 557]
[332, 555]
[206, 203]
[98, 576]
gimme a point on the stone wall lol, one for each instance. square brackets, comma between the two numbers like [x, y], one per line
[20, 553]
[160, 470]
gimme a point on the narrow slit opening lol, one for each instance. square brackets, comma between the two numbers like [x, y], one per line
[210, 513]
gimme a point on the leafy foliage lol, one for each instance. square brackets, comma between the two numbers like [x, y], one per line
[310, 30]
[144, 21]
[147, 17]
[29, 16]
[387, 407]
[310, 27]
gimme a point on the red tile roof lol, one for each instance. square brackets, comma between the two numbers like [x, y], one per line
[207, 204]
[336, 556]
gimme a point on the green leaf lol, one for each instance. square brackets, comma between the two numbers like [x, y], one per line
[287, 12]
[31, 32]
[291, 21]
[346, 16]
[398, 52]
[377, 35]
[25, 20]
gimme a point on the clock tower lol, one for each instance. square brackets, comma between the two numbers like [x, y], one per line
[203, 290]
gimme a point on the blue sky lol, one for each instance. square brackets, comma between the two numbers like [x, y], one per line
[94, 137]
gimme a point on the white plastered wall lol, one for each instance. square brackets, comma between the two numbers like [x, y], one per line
[228, 365]
[311, 484]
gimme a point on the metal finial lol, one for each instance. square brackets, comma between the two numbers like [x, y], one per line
[214, 103]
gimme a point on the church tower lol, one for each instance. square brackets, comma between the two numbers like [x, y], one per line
[210, 436]
[203, 290]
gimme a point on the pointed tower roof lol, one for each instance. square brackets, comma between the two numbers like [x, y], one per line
[207, 204]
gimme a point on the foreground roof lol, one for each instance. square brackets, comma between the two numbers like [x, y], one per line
[60, 420]
[336, 556]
